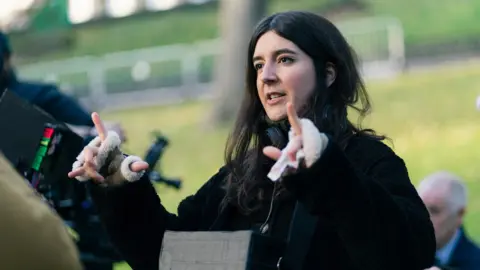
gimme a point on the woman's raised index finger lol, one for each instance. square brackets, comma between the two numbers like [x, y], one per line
[293, 119]
[101, 130]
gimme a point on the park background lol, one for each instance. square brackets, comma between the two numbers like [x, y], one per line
[152, 65]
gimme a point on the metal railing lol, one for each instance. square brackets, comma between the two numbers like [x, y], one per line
[174, 73]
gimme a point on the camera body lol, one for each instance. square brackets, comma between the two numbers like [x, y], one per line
[43, 150]
[57, 148]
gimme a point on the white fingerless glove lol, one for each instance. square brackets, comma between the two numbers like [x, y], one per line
[313, 144]
[109, 155]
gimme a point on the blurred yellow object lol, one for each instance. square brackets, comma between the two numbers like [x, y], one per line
[73, 233]
[33, 235]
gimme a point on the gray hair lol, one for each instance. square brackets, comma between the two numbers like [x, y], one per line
[450, 184]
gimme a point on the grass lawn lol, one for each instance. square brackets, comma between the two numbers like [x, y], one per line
[430, 21]
[430, 117]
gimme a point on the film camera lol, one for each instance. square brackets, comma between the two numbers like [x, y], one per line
[43, 151]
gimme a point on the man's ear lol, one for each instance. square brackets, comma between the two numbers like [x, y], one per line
[330, 74]
[461, 215]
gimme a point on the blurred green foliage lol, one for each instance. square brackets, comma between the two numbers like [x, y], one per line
[425, 22]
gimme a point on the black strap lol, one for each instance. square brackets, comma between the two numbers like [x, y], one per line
[302, 228]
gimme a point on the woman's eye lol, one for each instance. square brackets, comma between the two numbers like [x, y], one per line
[286, 59]
[258, 66]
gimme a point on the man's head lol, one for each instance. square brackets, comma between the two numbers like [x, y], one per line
[445, 197]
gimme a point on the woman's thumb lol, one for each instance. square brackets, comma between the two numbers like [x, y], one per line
[138, 166]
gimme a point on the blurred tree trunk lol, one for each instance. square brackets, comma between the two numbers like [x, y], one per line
[237, 20]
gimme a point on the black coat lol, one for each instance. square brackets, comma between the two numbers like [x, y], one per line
[51, 100]
[465, 256]
[371, 217]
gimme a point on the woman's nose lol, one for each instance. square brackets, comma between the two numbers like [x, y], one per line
[269, 74]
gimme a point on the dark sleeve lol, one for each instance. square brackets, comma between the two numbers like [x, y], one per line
[135, 219]
[378, 215]
[62, 107]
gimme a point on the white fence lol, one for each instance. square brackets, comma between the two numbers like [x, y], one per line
[169, 74]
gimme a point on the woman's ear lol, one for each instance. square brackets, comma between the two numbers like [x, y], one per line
[331, 74]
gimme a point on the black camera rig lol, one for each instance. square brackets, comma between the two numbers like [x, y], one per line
[154, 155]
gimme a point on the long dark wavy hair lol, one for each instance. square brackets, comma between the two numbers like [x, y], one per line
[327, 108]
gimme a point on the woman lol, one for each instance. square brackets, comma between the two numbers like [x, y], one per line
[369, 214]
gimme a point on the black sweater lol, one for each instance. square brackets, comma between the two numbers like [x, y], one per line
[370, 215]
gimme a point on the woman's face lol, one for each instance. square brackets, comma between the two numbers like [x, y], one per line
[284, 74]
